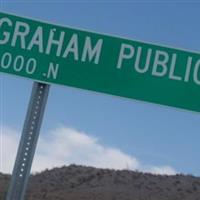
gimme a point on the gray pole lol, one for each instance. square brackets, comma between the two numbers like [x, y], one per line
[28, 142]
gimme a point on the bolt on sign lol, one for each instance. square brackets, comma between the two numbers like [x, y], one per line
[62, 55]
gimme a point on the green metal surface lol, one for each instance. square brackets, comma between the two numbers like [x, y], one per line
[98, 62]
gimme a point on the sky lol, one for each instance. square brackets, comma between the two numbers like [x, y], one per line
[96, 129]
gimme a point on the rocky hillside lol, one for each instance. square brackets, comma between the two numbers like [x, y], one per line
[87, 183]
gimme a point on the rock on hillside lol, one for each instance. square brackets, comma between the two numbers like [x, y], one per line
[87, 183]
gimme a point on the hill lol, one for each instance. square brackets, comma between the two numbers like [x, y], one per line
[87, 183]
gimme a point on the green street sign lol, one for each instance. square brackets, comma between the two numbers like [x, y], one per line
[108, 64]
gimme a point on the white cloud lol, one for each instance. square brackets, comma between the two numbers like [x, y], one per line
[9, 139]
[64, 146]
[162, 170]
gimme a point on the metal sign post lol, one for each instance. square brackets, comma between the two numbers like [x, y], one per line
[28, 141]
[92, 61]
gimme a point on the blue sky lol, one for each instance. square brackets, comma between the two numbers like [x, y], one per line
[154, 135]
